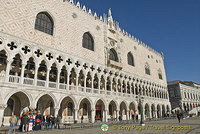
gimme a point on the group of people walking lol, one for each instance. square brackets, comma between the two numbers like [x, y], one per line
[32, 119]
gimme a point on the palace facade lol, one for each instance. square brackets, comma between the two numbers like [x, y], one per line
[61, 58]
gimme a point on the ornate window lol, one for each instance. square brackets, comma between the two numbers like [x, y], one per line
[88, 41]
[160, 74]
[130, 59]
[44, 23]
[147, 69]
[113, 55]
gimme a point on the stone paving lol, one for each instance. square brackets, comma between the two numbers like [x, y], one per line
[191, 126]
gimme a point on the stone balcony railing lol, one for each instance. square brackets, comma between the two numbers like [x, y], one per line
[65, 87]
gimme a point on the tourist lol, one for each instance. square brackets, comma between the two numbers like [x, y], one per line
[82, 119]
[133, 116]
[25, 121]
[37, 123]
[178, 117]
[13, 121]
[58, 119]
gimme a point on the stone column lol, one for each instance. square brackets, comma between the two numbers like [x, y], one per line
[105, 86]
[58, 79]
[127, 114]
[77, 76]
[150, 115]
[116, 87]
[68, 79]
[85, 78]
[8, 70]
[117, 112]
[92, 82]
[93, 115]
[99, 84]
[111, 81]
[47, 77]
[22, 73]
[56, 111]
[75, 115]
[106, 115]
[2, 108]
[155, 114]
[36, 74]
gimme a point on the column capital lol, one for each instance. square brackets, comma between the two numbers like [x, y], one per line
[3, 106]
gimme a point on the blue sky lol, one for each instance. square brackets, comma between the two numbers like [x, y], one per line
[171, 26]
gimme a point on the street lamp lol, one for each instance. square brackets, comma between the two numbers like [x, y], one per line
[140, 100]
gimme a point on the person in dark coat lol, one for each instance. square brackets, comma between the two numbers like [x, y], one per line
[179, 117]
[37, 124]
[58, 119]
[25, 121]
[82, 119]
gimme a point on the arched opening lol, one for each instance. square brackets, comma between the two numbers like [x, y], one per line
[85, 110]
[163, 111]
[89, 81]
[130, 59]
[29, 72]
[113, 55]
[63, 78]
[15, 69]
[102, 86]
[66, 110]
[42, 72]
[100, 110]
[153, 111]
[123, 111]
[3, 64]
[53, 76]
[132, 111]
[119, 86]
[15, 105]
[88, 41]
[108, 87]
[72, 78]
[112, 110]
[158, 111]
[81, 79]
[96, 80]
[46, 105]
[147, 113]
[44, 23]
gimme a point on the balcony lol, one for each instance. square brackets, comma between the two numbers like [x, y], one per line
[115, 64]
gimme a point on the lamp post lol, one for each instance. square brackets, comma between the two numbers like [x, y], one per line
[140, 100]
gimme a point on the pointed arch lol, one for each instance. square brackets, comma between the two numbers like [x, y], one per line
[130, 59]
[44, 23]
[113, 55]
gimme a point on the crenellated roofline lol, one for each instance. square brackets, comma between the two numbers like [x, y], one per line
[105, 20]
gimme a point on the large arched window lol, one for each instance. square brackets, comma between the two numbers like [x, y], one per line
[147, 69]
[88, 41]
[113, 55]
[160, 74]
[130, 59]
[44, 23]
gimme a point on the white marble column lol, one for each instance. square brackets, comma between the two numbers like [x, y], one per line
[2, 108]
[58, 79]
[106, 115]
[127, 114]
[85, 80]
[117, 112]
[76, 115]
[99, 84]
[22, 73]
[36, 74]
[8, 70]
[47, 77]
[105, 86]
[68, 74]
[77, 76]
[93, 115]
[111, 81]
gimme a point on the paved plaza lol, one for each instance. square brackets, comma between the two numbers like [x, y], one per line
[190, 126]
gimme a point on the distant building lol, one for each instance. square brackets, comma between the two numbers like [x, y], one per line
[185, 94]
